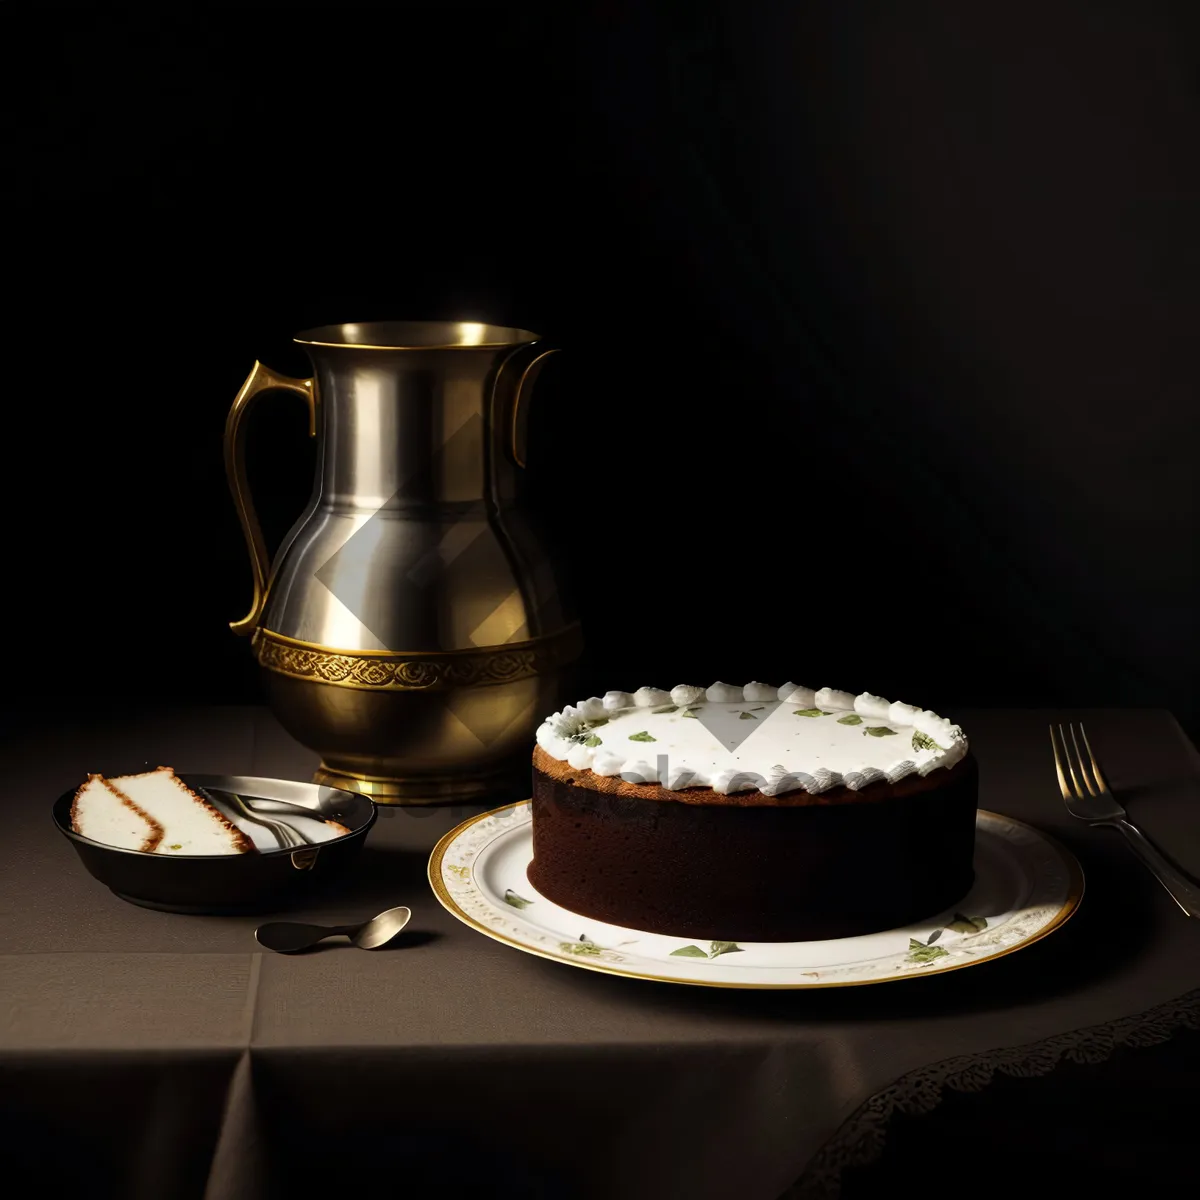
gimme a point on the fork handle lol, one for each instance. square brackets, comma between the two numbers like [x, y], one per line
[1185, 893]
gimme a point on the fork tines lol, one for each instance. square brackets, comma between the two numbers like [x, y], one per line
[1073, 767]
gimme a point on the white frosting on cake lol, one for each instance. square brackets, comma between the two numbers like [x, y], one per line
[801, 739]
[686, 693]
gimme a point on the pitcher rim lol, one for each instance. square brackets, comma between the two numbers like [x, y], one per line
[415, 335]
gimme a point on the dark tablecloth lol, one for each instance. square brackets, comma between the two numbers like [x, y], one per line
[150, 1055]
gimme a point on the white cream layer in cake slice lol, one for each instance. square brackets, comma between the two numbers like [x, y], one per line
[190, 824]
[104, 814]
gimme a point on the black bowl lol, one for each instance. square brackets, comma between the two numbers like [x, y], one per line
[265, 880]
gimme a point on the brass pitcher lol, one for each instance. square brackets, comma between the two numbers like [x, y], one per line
[410, 629]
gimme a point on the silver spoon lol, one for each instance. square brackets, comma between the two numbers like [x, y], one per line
[285, 808]
[288, 837]
[289, 937]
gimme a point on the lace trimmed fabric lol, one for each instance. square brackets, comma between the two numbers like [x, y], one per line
[860, 1140]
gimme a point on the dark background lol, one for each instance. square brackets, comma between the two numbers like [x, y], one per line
[881, 324]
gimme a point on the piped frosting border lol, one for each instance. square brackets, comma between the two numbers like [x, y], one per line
[935, 742]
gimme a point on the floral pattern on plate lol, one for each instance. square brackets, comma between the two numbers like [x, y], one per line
[1026, 886]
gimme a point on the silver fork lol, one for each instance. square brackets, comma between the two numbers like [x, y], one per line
[1087, 797]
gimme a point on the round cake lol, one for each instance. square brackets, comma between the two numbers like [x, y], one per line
[755, 813]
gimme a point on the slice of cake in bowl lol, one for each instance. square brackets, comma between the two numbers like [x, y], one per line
[100, 812]
[205, 861]
[190, 823]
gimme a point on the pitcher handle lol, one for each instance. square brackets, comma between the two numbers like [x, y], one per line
[261, 379]
[511, 392]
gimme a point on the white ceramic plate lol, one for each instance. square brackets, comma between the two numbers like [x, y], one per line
[1026, 886]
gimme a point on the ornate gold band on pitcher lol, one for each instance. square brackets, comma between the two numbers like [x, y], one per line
[417, 671]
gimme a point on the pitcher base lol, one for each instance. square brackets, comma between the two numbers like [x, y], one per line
[494, 789]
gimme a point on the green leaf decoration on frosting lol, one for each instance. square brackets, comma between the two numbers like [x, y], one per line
[967, 925]
[920, 953]
[808, 712]
[665, 708]
[746, 716]
[922, 741]
[718, 948]
[511, 897]
[688, 952]
[689, 712]
[877, 731]
[642, 737]
[759, 708]
[593, 740]
[852, 719]
[597, 722]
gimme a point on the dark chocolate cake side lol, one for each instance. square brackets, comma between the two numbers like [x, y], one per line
[752, 813]
[805, 868]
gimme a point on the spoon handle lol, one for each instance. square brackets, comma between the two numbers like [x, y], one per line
[283, 808]
[290, 937]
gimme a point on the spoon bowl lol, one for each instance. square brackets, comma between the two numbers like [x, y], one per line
[381, 930]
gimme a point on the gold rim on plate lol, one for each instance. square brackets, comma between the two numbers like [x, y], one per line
[1075, 889]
